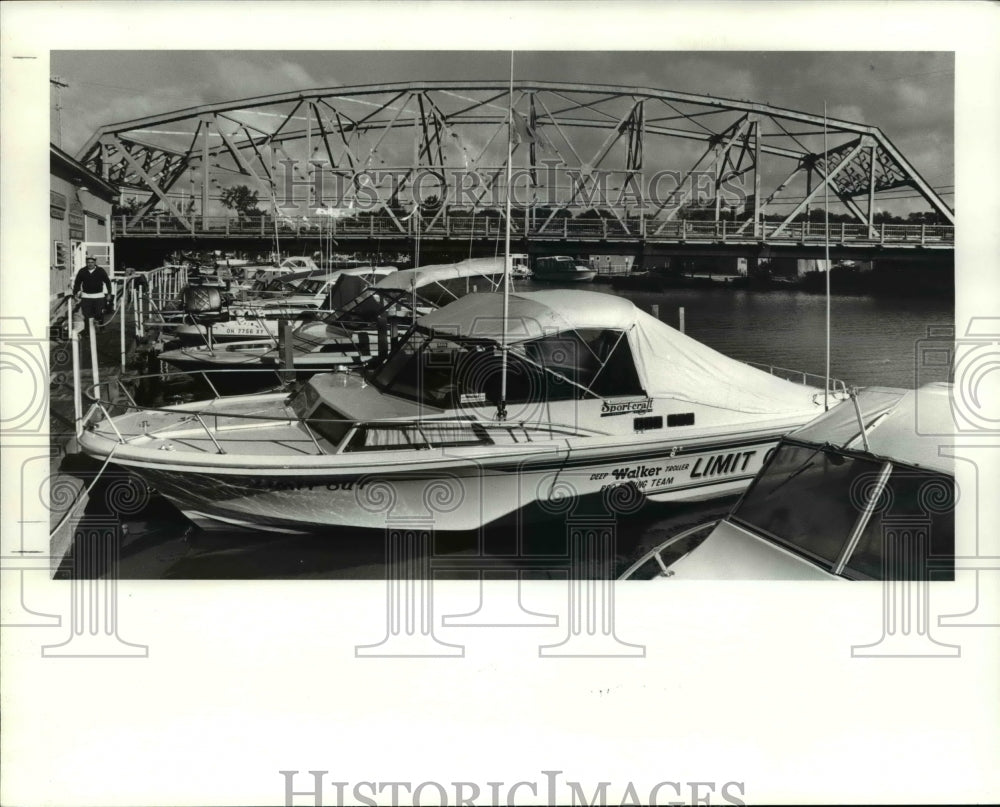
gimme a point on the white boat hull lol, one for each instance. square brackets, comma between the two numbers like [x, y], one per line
[422, 439]
[566, 277]
[448, 491]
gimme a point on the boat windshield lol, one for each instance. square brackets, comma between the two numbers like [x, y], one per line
[811, 499]
[367, 307]
[450, 372]
[311, 286]
[274, 286]
[562, 263]
[344, 289]
[326, 339]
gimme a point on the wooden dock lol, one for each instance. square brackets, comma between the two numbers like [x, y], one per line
[72, 475]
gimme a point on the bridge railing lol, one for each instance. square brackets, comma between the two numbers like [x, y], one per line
[565, 228]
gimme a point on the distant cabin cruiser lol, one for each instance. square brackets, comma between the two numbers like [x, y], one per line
[293, 263]
[358, 329]
[519, 266]
[561, 268]
[600, 397]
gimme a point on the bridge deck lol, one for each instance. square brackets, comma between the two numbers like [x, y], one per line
[651, 231]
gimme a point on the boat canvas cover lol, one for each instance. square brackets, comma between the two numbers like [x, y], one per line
[669, 363]
[911, 426]
[351, 282]
[407, 279]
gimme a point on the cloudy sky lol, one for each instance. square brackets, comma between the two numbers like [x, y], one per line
[909, 95]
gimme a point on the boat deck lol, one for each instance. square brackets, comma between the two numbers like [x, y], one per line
[211, 433]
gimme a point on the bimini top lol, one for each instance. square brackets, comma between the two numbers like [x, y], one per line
[669, 363]
[490, 269]
[374, 271]
[531, 314]
[352, 282]
[910, 426]
[325, 276]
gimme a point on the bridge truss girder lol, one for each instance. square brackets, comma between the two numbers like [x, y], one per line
[622, 152]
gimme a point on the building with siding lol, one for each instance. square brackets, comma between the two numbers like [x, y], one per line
[80, 204]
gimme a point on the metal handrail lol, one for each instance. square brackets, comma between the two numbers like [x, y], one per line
[196, 415]
[211, 436]
[462, 224]
[655, 551]
[836, 384]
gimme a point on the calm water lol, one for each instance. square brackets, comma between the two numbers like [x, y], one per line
[874, 343]
[873, 339]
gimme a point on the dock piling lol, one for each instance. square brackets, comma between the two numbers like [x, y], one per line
[285, 345]
[680, 316]
[145, 309]
[123, 296]
[95, 371]
[74, 339]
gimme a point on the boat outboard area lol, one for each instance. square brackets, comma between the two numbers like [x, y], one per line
[468, 418]
[307, 297]
[369, 310]
[214, 298]
[261, 323]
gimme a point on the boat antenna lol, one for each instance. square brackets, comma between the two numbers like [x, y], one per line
[826, 240]
[416, 263]
[502, 406]
[274, 214]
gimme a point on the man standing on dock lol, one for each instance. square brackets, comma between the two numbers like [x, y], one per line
[90, 283]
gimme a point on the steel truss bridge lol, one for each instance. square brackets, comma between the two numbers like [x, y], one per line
[590, 163]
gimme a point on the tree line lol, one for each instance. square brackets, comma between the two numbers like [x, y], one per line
[245, 203]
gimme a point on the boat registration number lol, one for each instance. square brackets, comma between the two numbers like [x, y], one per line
[303, 484]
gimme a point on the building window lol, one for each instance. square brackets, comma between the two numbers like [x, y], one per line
[59, 255]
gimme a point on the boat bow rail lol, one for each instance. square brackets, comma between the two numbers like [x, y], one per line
[837, 388]
[656, 562]
[205, 429]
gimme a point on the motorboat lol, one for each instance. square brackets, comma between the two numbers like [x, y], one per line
[443, 283]
[472, 416]
[248, 275]
[861, 493]
[310, 296]
[289, 265]
[266, 287]
[354, 333]
[519, 267]
[562, 269]
[277, 286]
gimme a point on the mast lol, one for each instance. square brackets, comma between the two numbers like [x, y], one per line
[826, 240]
[417, 213]
[502, 406]
[416, 265]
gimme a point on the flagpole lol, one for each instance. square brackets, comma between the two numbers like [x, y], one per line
[826, 218]
[502, 408]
